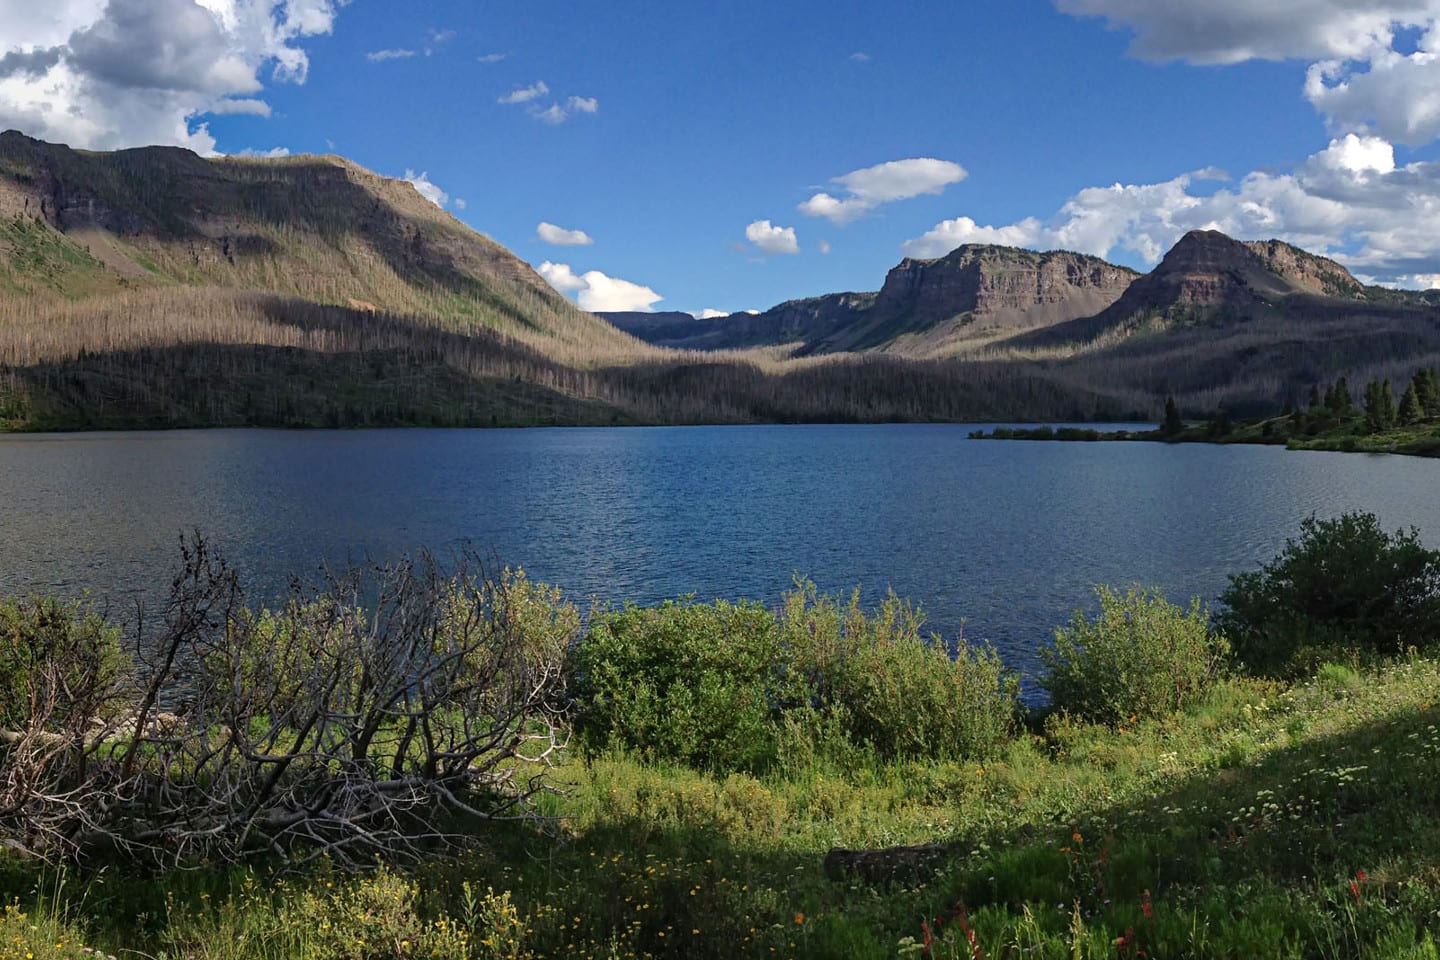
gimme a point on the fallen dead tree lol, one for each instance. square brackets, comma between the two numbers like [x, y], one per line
[384, 713]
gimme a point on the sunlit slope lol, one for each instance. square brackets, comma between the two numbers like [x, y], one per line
[76, 225]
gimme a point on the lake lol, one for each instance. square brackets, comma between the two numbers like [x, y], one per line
[1004, 539]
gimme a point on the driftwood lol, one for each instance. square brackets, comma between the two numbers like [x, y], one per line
[380, 715]
[892, 863]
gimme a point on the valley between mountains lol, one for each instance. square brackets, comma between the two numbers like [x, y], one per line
[153, 288]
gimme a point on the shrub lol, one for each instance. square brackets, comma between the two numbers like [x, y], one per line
[897, 691]
[727, 687]
[60, 665]
[697, 683]
[1344, 586]
[1142, 656]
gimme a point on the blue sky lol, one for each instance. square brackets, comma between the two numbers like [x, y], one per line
[684, 143]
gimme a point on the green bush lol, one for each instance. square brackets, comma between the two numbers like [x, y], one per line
[1142, 657]
[897, 691]
[60, 664]
[697, 683]
[1345, 586]
[735, 687]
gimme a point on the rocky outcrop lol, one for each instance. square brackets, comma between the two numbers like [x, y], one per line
[999, 282]
[1319, 275]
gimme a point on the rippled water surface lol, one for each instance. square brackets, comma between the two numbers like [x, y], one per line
[1004, 538]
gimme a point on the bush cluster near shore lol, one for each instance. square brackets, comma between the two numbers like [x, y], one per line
[668, 781]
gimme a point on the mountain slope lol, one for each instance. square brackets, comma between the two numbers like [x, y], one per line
[319, 229]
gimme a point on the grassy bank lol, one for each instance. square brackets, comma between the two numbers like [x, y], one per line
[1183, 796]
[1266, 821]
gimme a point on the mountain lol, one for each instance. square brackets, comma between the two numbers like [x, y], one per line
[926, 309]
[1207, 277]
[933, 308]
[318, 229]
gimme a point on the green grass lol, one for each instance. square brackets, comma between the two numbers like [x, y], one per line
[1233, 829]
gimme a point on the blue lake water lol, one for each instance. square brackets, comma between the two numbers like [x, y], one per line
[1005, 539]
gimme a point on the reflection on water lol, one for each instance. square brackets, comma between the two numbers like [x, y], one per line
[1004, 538]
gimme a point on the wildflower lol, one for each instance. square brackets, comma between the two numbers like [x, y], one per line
[799, 919]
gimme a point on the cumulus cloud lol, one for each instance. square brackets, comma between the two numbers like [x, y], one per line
[771, 239]
[710, 315]
[583, 104]
[461, 203]
[825, 246]
[428, 190]
[1351, 201]
[598, 293]
[104, 74]
[274, 153]
[1360, 78]
[866, 189]
[380, 56]
[860, 56]
[560, 237]
[526, 94]
[492, 57]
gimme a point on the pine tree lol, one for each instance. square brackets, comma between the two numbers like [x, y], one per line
[1379, 406]
[1427, 390]
[1332, 400]
[1411, 412]
[1173, 423]
[1343, 404]
[1315, 399]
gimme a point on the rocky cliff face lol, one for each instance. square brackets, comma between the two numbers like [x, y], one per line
[998, 287]
[1319, 275]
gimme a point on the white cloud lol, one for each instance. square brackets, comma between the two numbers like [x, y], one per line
[771, 239]
[1398, 96]
[860, 56]
[825, 246]
[526, 94]
[254, 108]
[598, 293]
[710, 315]
[428, 190]
[1359, 78]
[883, 183]
[104, 74]
[555, 113]
[1349, 201]
[442, 36]
[380, 56]
[274, 153]
[492, 57]
[560, 237]
[461, 204]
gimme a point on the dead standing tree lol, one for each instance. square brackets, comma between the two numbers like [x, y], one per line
[379, 715]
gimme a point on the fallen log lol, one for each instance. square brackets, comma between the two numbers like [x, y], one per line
[879, 866]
